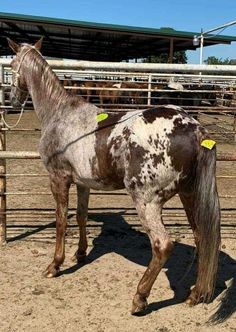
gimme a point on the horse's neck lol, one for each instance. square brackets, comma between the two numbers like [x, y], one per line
[46, 91]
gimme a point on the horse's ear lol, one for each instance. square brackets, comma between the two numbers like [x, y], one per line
[14, 46]
[38, 44]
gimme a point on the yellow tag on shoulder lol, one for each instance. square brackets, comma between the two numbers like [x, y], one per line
[101, 117]
[208, 143]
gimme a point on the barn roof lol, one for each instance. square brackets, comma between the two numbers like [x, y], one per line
[96, 41]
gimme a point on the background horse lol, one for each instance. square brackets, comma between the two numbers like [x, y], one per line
[154, 154]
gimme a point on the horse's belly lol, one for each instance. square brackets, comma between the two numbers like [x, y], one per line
[95, 179]
[99, 184]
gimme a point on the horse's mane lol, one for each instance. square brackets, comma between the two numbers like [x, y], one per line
[39, 69]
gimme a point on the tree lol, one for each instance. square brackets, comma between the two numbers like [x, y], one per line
[212, 60]
[178, 57]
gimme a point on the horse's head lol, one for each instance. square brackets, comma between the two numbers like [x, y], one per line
[19, 90]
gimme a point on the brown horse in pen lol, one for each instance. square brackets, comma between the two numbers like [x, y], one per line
[154, 154]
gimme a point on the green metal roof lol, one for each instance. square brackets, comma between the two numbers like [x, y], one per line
[96, 41]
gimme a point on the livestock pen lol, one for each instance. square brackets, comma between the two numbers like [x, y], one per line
[206, 92]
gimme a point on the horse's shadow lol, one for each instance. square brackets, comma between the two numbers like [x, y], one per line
[119, 237]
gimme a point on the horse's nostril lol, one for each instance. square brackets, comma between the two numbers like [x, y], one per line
[14, 101]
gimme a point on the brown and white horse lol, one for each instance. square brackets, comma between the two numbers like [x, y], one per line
[154, 154]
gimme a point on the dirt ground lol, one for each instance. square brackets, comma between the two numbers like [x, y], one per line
[97, 295]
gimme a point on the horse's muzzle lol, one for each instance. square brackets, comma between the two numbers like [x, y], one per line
[14, 100]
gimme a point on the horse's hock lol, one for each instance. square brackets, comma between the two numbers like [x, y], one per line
[26, 203]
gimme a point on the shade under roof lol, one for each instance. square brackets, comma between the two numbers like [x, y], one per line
[96, 41]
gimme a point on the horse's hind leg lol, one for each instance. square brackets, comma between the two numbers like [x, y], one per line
[60, 188]
[82, 215]
[150, 215]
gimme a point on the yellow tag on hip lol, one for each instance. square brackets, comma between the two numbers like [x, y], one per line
[101, 117]
[208, 143]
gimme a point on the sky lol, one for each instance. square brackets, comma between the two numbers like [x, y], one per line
[185, 15]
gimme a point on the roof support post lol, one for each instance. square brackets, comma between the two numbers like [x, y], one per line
[171, 51]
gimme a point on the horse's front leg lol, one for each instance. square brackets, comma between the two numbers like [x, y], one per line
[60, 188]
[82, 215]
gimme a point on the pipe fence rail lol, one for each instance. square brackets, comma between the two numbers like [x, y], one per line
[206, 92]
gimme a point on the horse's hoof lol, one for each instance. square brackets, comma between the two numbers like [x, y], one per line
[193, 298]
[79, 257]
[190, 301]
[51, 273]
[139, 304]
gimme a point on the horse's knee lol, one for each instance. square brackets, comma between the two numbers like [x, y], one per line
[163, 248]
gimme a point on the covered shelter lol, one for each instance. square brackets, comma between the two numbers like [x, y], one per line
[81, 40]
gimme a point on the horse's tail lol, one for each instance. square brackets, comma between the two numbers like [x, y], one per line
[207, 219]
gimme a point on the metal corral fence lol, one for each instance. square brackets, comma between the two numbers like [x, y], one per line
[207, 92]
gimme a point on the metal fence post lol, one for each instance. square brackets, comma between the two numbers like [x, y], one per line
[2, 168]
[149, 89]
[234, 127]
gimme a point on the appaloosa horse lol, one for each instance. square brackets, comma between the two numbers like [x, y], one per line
[154, 154]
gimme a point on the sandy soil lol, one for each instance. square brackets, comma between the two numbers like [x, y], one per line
[97, 296]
